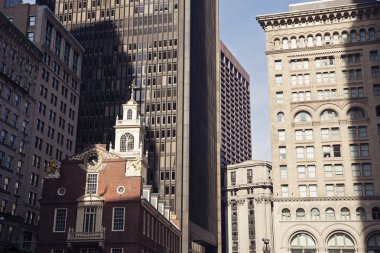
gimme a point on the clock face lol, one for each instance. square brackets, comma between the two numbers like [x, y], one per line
[92, 160]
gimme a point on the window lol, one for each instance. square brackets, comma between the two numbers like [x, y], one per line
[378, 110]
[126, 142]
[345, 214]
[284, 191]
[89, 218]
[302, 117]
[330, 190]
[376, 89]
[279, 97]
[233, 178]
[278, 65]
[329, 114]
[300, 214]
[302, 243]
[356, 113]
[357, 132]
[313, 190]
[315, 214]
[92, 183]
[375, 71]
[278, 80]
[373, 243]
[285, 43]
[31, 21]
[302, 191]
[119, 250]
[368, 189]
[129, 114]
[376, 213]
[359, 150]
[281, 135]
[118, 219]
[280, 117]
[30, 36]
[286, 214]
[373, 56]
[330, 214]
[282, 153]
[340, 243]
[283, 171]
[371, 33]
[60, 220]
[360, 213]
[340, 190]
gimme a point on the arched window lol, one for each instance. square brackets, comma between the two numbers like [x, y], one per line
[336, 38]
[302, 42]
[318, 40]
[285, 43]
[302, 117]
[300, 214]
[360, 213]
[280, 117]
[129, 114]
[340, 243]
[356, 113]
[127, 142]
[376, 213]
[345, 214]
[286, 214]
[329, 114]
[373, 243]
[371, 33]
[330, 214]
[302, 243]
[378, 110]
[327, 39]
[293, 42]
[315, 214]
[344, 37]
[353, 36]
[277, 43]
[362, 35]
[310, 41]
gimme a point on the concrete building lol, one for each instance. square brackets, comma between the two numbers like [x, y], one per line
[248, 190]
[323, 74]
[53, 129]
[235, 109]
[170, 50]
[96, 201]
[19, 61]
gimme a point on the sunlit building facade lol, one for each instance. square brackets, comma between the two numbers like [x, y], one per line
[323, 74]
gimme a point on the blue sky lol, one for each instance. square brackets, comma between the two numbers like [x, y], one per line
[241, 33]
[245, 38]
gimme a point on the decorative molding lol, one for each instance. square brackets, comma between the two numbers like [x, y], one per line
[105, 155]
[343, 198]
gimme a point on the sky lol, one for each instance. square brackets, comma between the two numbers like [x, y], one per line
[245, 38]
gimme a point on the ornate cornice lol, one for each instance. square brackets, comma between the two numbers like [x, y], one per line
[332, 14]
[342, 198]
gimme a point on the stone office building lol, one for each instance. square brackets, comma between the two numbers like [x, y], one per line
[19, 61]
[324, 83]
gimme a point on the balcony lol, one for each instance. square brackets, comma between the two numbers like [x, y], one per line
[96, 237]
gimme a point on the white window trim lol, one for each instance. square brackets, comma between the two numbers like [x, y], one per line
[113, 218]
[55, 217]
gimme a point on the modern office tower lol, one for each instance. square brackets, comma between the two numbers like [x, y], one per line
[97, 201]
[19, 60]
[248, 188]
[53, 129]
[169, 50]
[323, 74]
[235, 118]
[235, 109]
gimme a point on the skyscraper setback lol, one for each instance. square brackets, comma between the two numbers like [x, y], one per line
[169, 50]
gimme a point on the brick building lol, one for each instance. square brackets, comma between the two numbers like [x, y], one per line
[96, 201]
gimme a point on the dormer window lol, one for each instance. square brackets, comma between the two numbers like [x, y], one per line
[92, 183]
[127, 142]
[129, 114]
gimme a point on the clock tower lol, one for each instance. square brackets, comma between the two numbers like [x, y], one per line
[129, 139]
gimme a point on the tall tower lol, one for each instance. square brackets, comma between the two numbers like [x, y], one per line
[170, 48]
[323, 74]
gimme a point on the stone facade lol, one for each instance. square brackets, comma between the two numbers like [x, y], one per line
[248, 191]
[323, 75]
